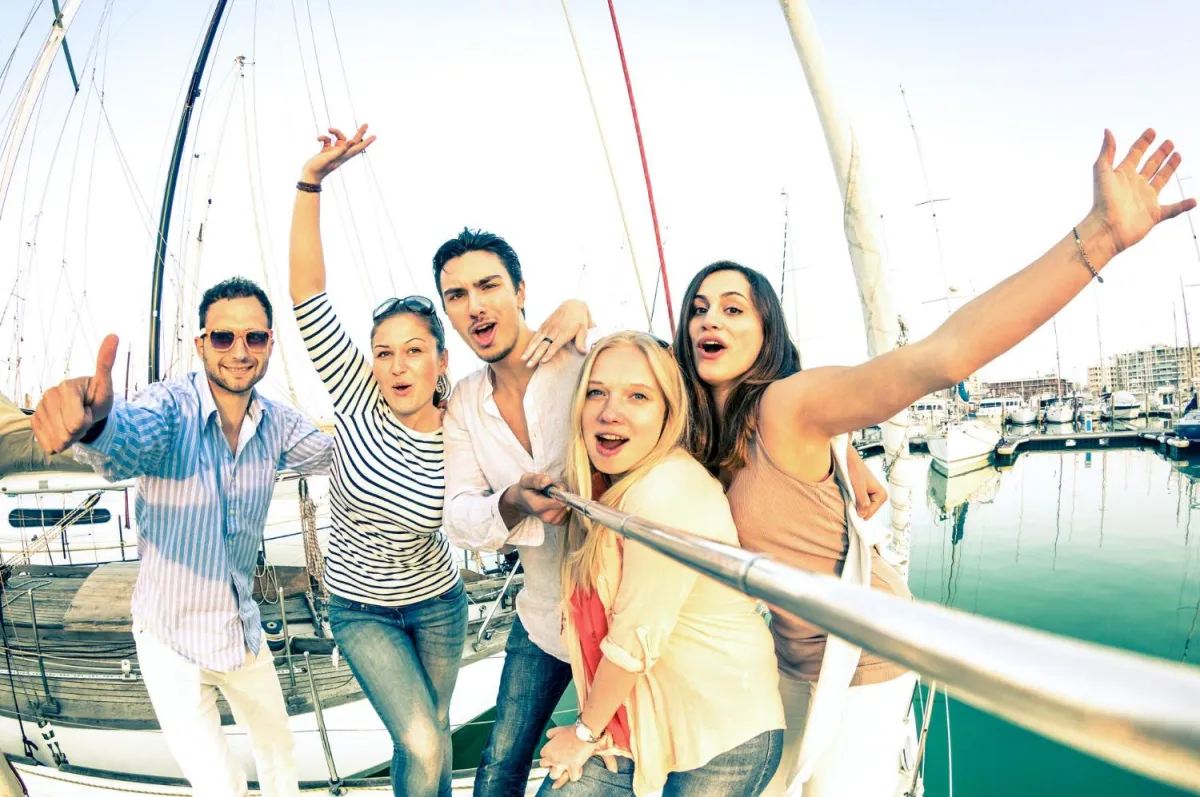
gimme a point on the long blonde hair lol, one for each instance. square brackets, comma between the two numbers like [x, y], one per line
[582, 545]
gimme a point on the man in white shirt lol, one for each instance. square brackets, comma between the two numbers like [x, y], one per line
[506, 437]
[506, 433]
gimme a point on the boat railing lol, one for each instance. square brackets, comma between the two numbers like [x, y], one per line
[1132, 710]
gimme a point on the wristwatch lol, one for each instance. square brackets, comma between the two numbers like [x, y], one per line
[583, 734]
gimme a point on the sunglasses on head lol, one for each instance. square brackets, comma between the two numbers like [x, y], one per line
[409, 304]
[223, 339]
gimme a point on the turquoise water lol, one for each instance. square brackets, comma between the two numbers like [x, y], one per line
[1098, 546]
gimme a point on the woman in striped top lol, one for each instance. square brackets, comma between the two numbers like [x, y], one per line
[397, 605]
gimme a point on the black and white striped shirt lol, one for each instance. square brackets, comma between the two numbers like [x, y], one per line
[388, 481]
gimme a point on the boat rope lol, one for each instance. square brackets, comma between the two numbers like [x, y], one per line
[637, 127]
[26, 742]
[58, 530]
[314, 560]
[612, 175]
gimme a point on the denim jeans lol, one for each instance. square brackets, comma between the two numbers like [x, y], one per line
[531, 684]
[406, 660]
[743, 771]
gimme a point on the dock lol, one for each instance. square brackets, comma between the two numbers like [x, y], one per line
[1009, 448]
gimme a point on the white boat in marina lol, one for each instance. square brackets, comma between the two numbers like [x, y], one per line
[1021, 415]
[1056, 410]
[1122, 406]
[997, 407]
[31, 504]
[963, 446]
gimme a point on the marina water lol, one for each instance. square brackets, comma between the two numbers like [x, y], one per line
[1101, 546]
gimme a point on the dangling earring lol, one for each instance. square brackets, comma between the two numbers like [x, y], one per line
[441, 393]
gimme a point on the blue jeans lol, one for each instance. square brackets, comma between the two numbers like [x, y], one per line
[531, 684]
[406, 660]
[743, 771]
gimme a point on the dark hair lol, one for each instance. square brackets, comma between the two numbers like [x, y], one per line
[234, 288]
[720, 440]
[431, 322]
[476, 241]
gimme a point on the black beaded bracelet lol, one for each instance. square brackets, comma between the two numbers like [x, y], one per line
[311, 188]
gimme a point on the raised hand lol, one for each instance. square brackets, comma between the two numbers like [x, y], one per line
[66, 411]
[570, 322]
[336, 149]
[1125, 198]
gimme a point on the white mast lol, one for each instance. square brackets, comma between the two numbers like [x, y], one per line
[859, 222]
[33, 88]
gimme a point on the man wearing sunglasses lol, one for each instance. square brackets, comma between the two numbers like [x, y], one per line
[205, 448]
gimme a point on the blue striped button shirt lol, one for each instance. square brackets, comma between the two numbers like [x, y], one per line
[202, 509]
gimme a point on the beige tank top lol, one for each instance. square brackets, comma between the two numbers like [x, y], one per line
[803, 525]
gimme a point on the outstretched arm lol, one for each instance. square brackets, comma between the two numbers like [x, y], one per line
[825, 402]
[306, 259]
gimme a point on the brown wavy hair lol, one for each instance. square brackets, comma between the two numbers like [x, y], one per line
[721, 443]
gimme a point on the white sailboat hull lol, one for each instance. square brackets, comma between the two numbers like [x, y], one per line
[1060, 413]
[963, 447]
[357, 737]
[1021, 416]
[50, 782]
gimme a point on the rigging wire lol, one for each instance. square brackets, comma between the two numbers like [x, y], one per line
[363, 275]
[637, 127]
[341, 174]
[191, 277]
[4, 71]
[372, 177]
[177, 274]
[255, 192]
[637, 273]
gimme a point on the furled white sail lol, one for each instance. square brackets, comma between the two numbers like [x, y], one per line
[859, 220]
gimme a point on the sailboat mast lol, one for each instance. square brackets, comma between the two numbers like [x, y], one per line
[859, 222]
[783, 269]
[164, 218]
[1187, 328]
[637, 127]
[1057, 358]
[929, 198]
[33, 89]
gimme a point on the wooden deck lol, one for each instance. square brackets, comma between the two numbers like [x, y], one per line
[91, 668]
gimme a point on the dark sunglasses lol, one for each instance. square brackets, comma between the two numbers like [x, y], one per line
[223, 339]
[661, 343]
[409, 304]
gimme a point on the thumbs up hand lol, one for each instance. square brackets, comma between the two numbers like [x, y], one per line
[68, 410]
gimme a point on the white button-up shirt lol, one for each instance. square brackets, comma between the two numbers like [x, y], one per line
[484, 457]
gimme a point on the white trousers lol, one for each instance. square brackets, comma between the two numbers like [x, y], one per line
[863, 757]
[184, 696]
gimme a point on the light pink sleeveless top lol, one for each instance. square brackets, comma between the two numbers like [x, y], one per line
[803, 525]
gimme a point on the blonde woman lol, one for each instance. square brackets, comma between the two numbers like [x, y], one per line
[675, 673]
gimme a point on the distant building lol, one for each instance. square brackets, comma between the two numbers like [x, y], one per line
[1145, 370]
[1032, 386]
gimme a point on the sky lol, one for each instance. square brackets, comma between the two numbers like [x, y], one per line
[483, 120]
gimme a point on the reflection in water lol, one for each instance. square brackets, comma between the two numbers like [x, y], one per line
[1126, 574]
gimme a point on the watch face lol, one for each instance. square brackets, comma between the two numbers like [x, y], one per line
[582, 733]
